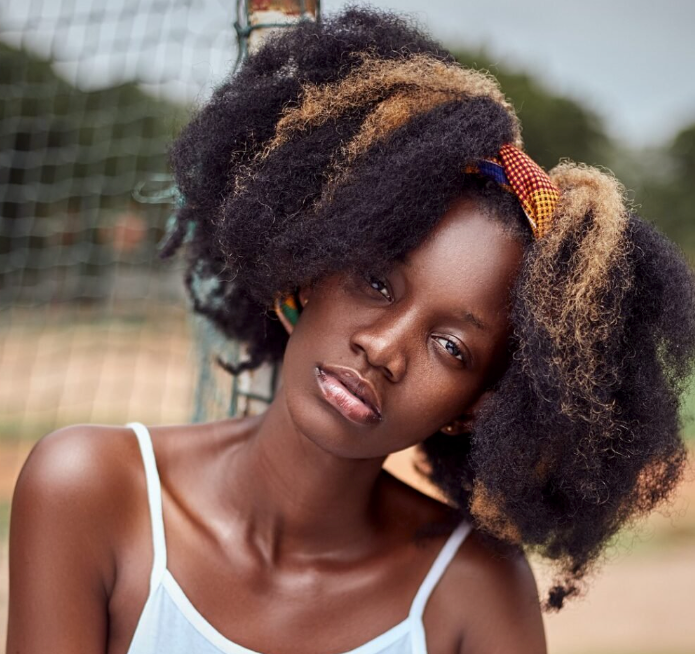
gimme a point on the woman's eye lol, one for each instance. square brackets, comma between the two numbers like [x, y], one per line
[451, 348]
[379, 286]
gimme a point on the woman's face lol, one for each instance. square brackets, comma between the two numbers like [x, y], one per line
[429, 336]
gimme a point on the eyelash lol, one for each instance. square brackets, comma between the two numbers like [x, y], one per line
[372, 280]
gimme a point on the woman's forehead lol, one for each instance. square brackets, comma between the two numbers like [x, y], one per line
[468, 260]
[465, 236]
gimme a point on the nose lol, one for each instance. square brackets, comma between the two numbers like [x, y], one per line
[384, 342]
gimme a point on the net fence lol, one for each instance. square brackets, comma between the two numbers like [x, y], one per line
[94, 327]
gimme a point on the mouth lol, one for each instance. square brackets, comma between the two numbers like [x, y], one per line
[349, 394]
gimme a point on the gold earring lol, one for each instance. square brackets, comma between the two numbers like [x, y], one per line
[448, 429]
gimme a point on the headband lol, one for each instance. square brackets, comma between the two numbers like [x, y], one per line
[514, 171]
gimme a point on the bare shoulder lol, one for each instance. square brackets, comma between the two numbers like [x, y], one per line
[79, 468]
[89, 462]
[80, 530]
[495, 599]
[487, 599]
[99, 469]
[75, 459]
[80, 477]
[71, 501]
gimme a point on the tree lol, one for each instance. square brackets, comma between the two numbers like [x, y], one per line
[70, 160]
[554, 126]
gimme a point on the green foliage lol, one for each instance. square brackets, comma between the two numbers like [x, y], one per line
[553, 126]
[682, 150]
[668, 194]
[72, 159]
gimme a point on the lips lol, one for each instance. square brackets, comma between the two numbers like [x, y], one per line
[359, 388]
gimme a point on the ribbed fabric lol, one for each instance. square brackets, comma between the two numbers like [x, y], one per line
[170, 624]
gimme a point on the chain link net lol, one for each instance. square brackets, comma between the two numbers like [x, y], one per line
[94, 327]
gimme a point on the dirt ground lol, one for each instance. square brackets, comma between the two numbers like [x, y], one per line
[640, 602]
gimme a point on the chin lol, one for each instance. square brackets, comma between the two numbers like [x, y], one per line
[317, 421]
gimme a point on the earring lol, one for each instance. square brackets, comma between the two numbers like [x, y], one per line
[286, 313]
[448, 429]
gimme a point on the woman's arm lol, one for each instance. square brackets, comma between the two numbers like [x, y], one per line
[61, 564]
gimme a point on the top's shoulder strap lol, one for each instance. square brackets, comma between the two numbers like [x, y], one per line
[440, 564]
[154, 496]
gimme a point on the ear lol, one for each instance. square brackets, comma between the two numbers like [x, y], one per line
[465, 423]
[303, 295]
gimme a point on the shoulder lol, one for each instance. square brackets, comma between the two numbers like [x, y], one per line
[70, 502]
[494, 597]
[73, 507]
[76, 481]
[89, 462]
[73, 468]
[81, 496]
[73, 457]
[76, 468]
[94, 475]
[487, 598]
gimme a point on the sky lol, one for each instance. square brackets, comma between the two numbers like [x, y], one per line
[631, 61]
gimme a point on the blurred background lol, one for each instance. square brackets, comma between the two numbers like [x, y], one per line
[95, 328]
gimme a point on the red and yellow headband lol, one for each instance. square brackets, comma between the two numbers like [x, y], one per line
[512, 169]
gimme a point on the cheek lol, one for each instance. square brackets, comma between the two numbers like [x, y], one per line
[319, 336]
[432, 398]
[327, 322]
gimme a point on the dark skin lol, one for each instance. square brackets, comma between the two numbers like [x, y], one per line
[292, 509]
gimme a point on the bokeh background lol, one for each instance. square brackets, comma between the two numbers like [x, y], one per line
[95, 328]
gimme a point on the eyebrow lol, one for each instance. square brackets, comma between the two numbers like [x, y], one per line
[472, 319]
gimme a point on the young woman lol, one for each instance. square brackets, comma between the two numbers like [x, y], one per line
[359, 207]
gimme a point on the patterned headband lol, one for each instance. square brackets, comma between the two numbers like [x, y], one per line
[515, 171]
[512, 169]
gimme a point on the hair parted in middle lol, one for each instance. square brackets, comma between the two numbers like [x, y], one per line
[338, 147]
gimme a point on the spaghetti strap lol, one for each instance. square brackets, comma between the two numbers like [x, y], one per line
[154, 497]
[440, 564]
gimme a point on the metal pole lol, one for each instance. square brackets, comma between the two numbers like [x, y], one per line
[255, 19]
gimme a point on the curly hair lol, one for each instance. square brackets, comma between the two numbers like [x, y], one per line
[338, 147]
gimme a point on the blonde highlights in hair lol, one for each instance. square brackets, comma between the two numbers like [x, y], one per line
[393, 90]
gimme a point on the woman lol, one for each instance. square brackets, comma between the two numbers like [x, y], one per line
[358, 206]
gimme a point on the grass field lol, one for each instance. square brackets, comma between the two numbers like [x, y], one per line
[61, 373]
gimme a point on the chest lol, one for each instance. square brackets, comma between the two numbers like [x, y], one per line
[327, 610]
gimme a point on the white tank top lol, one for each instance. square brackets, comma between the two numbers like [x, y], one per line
[170, 624]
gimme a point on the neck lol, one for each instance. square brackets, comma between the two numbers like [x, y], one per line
[298, 499]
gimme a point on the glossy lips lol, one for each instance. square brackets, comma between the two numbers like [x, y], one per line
[349, 393]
